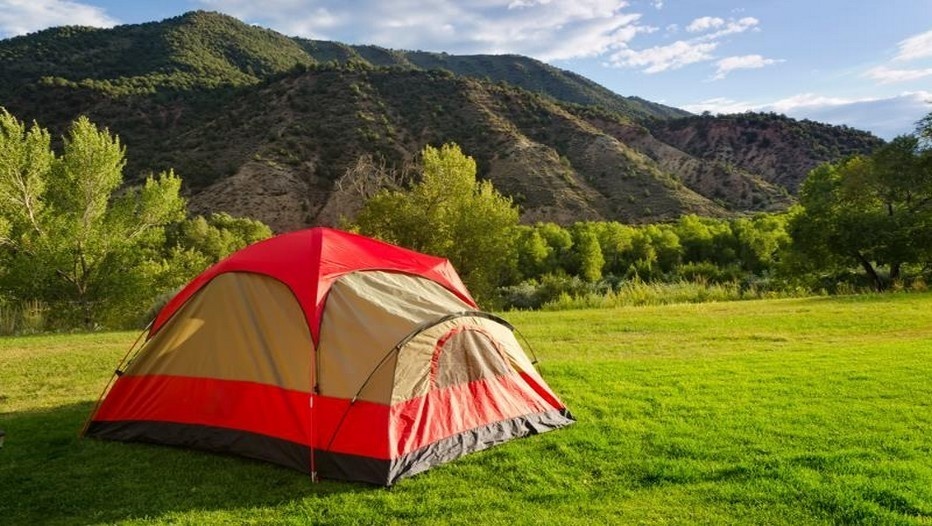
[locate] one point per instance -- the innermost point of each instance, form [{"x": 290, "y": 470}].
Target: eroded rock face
[{"x": 276, "y": 196}]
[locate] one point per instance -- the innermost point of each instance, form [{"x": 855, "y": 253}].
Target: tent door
[{"x": 466, "y": 354}]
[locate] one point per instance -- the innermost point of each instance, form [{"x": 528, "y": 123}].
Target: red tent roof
[{"x": 309, "y": 261}]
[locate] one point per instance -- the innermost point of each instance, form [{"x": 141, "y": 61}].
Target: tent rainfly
[{"x": 333, "y": 354}]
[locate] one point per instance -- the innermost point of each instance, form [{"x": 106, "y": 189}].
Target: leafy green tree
[
  {"x": 533, "y": 252},
  {"x": 697, "y": 237},
  {"x": 587, "y": 252},
  {"x": 641, "y": 259},
  {"x": 26, "y": 158},
  {"x": 560, "y": 240},
  {"x": 874, "y": 212},
  {"x": 451, "y": 214},
  {"x": 706, "y": 240},
  {"x": 615, "y": 240},
  {"x": 924, "y": 131},
  {"x": 666, "y": 245},
  {"x": 69, "y": 238},
  {"x": 761, "y": 240},
  {"x": 217, "y": 236}
]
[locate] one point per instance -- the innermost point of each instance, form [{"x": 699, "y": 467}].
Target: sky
[{"x": 861, "y": 63}]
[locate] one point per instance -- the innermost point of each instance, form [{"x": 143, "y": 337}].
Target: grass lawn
[{"x": 802, "y": 411}]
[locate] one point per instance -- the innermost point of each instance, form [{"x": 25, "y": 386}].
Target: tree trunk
[
  {"x": 894, "y": 272},
  {"x": 81, "y": 280},
  {"x": 85, "y": 305},
  {"x": 878, "y": 282}
]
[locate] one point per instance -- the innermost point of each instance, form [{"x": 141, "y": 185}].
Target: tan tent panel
[
  {"x": 367, "y": 314},
  {"x": 222, "y": 332}
]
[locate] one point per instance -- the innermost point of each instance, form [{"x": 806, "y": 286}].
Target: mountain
[
  {"x": 265, "y": 125},
  {"x": 779, "y": 149},
  {"x": 195, "y": 51},
  {"x": 208, "y": 50},
  {"x": 523, "y": 72}
]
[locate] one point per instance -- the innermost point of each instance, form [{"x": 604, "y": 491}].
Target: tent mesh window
[{"x": 462, "y": 356}]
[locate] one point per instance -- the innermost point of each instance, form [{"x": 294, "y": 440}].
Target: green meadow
[{"x": 793, "y": 411}]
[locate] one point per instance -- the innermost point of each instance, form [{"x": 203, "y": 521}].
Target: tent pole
[
  {"x": 356, "y": 396},
  {"x": 117, "y": 372},
  {"x": 313, "y": 463},
  {"x": 535, "y": 362}
]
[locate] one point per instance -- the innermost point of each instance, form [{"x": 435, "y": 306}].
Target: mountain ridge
[{"x": 265, "y": 125}]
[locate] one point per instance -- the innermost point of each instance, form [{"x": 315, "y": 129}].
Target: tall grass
[
  {"x": 24, "y": 317},
  {"x": 638, "y": 293}
]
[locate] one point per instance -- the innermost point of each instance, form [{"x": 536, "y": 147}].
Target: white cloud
[
  {"x": 683, "y": 52},
  {"x": 885, "y": 117},
  {"x": 886, "y": 75},
  {"x": 544, "y": 29},
  {"x": 18, "y": 17},
  {"x": 811, "y": 100},
  {"x": 720, "y": 105},
  {"x": 729, "y": 64},
  {"x": 733, "y": 26},
  {"x": 721, "y": 26},
  {"x": 915, "y": 47},
  {"x": 704, "y": 24},
  {"x": 663, "y": 58},
  {"x": 518, "y": 4}
]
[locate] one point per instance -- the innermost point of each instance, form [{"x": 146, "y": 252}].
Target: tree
[
  {"x": 560, "y": 241},
  {"x": 26, "y": 158},
  {"x": 924, "y": 131},
  {"x": 667, "y": 246},
  {"x": 698, "y": 236},
  {"x": 449, "y": 213},
  {"x": 587, "y": 252},
  {"x": 615, "y": 240},
  {"x": 68, "y": 239},
  {"x": 533, "y": 252},
  {"x": 217, "y": 236},
  {"x": 760, "y": 240},
  {"x": 874, "y": 212},
  {"x": 94, "y": 251}
]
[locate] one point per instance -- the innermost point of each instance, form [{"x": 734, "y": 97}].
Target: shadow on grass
[{"x": 49, "y": 475}]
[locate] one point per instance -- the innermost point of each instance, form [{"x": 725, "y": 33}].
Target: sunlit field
[{"x": 793, "y": 411}]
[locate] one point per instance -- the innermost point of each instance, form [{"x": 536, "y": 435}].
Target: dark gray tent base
[{"x": 329, "y": 465}]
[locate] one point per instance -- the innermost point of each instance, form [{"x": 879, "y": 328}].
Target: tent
[{"x": 331, "y": 353}]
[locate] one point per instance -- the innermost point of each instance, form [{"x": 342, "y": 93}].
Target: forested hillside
[{"x": 265, "y": 125}]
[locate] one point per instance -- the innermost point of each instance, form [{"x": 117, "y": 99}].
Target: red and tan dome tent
[{"x": 331, "y": 353}]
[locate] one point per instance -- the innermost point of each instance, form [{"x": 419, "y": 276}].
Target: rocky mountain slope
[
  {"x": 776, "y": 148},
  {"x": 261, "y": 124}
]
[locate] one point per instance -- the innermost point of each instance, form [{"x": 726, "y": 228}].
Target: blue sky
[{"x": 864, "y": 63}]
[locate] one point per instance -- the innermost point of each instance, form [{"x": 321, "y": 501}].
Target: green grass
[{"x": 798, "y": 411}]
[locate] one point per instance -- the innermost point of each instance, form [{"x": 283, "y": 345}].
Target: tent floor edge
[
  {"x": 205, "y": 438},
  {"x": 330, "y": 466},
  {"x": 476, "y": 439}
]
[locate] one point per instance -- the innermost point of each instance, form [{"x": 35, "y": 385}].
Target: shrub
[{"x": 24, "y": 317}]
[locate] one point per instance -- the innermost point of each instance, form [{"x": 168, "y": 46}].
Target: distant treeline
[
  {"x": 80, "y": 250},
  {"x": 602, "y": 257}
]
